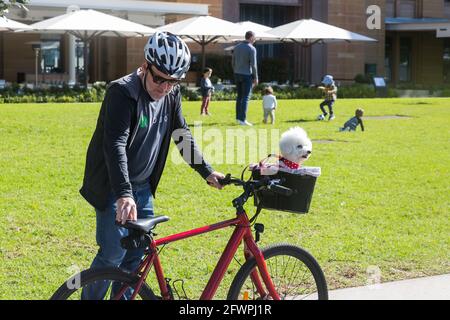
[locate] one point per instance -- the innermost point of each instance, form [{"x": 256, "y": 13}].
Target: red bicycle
[{"x": 280, "y": 271}]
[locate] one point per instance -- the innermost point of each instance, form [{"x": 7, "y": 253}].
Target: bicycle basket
[{"x": 302, "y": 181}]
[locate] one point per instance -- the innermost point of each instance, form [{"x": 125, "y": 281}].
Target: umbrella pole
[
  {"x": 203, "y": 54},
  {"x": 86, "y": 58},
  {"x": 85, "y": 55}
]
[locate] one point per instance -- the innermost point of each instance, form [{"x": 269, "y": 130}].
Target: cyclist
[{"x": 128, "y": 150}]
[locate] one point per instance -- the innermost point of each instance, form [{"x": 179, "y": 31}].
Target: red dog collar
[{"x": 289, "y": 164}]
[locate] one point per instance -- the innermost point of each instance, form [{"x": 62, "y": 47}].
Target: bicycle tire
[
  {"x": 274, "y": 251},
  {"x": 90, "y": 276}
]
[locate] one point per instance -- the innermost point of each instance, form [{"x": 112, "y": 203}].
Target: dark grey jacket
[{"x": 106, "y": 161}]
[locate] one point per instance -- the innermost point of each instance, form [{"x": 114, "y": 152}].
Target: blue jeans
[
  {"x": 244, "y": 88},
  {"x": 110, "y": 253},
  {"x": 328, "y": 103}
]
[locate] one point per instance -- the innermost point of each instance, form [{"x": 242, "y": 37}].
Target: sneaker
[
  {"x": 332, "y": 117},
  {"x": 246, "y": 123}
]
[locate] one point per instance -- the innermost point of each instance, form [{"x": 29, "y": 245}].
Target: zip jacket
[{"x": 116, "y": 136}]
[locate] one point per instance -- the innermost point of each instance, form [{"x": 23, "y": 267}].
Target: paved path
[{"x": 430, "y": 288}]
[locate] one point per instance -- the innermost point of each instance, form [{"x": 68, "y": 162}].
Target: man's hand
[
  {"x": 126, "y": 210},
  {"x": 213, "y": 179},
  {"x": 255, "y": 83}
]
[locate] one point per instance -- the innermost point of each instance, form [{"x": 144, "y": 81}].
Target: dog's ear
[{"x": 286, "y": 149}]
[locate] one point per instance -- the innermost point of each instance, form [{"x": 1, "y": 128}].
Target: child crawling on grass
[{"x": 354, "y": 122}]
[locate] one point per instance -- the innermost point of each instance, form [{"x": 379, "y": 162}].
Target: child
[
  {"x": 207, "y": 89},
  {"x": 330, "y": 91},
  {"x": 269, "y": 105},
  {"x": 353, "y": 123}
]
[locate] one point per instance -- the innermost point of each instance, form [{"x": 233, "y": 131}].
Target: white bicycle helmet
[{"x": 169, "y": 54}]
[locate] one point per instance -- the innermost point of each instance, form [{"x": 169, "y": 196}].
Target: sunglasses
[{"x": 160, "y": 80}]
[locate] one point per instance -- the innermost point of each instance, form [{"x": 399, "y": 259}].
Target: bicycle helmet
[
  {"x": 168, "y": 53},
  {"x": 328, "y": 80}
]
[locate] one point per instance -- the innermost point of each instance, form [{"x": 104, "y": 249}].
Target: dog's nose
[{"x": 308, "y": 152}]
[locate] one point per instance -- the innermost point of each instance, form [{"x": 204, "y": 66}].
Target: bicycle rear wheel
[
  {"x": 294, "y": 272},
  {"x": 112, "y": 281}
]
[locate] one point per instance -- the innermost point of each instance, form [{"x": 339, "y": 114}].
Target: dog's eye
[{"x": 300, "y": 146}]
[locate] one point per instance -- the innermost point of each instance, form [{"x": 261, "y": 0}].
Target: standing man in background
[{"x": 245, "y": 74}]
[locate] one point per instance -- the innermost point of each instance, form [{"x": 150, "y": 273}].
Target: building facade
[{"x": 407, "y": 50}]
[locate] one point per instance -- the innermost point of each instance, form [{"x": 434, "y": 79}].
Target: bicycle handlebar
[
  {"x": 273, "y": 185},
  {"x": 280, "y": 190}
]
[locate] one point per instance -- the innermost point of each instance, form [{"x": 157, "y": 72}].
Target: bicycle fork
[{"x": 252, "y": 250}]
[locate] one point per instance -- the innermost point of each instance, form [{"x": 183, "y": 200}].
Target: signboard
[
  {"x": 443, "y": 32},
  {"x": 379, "y": 82},
  {"x": 380, "y": 86}
]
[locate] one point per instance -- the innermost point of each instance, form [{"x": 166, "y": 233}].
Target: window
[
  {"x": 370, "y": 69},
  {"x": 390, "y": 8},
  {"x": 407, "y": 9},
  {"x": 281, "y": 55},
  {"x": 447, "y": 60},
  {"x": 388, "y": 58},
  {"x": 271, "y": 16},
  {"x": 447, "y": 8},
  {"x": 405, "y": 59},
  {"x": 51, "y": 54}
]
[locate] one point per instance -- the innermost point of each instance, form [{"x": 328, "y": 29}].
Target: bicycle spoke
[{"x": 291, "y": 276}]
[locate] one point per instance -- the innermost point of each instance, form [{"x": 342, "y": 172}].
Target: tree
[{"x": 5, "y": 4}]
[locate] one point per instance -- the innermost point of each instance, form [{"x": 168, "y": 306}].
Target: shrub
[
  {"x": 18, "y": 94},
  {"x": 272, "y": 69},
  {"x": 361, "y": 78}
]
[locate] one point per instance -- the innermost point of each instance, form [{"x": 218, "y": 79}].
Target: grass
[{"x": 382, "y": 200}]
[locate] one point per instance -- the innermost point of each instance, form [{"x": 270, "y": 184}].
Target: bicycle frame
[{"x": 241, "y": 233}]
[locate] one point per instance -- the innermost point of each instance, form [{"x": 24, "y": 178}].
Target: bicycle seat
[{"x": 145, "y": 225}]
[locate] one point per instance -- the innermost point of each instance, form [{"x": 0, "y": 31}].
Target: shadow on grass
[
  {"x": 414, "y": 103},
  {"x": 205, "y": 124},
  {"x": 301, "y": 120},
  {"x": 387, "y": 117},
  {"x": 327, "y": 141}
]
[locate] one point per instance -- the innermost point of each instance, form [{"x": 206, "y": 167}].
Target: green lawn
[{"x": 382, "y": 200}]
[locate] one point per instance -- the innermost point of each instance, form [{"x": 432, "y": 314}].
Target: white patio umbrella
[
  {"x": 11, "y": 25},
  {"x": 88, "y": 24},
  {"x": 309, "y": 31},
  {"x": 260, "y": 30},
  {"x": 256, "y": 27},
  {"x": 205, "y": 30}
]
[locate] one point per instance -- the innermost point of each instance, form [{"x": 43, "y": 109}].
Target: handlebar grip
[
  {"x": 225, "y": 181},
  {"x": 281, "y": 190}
]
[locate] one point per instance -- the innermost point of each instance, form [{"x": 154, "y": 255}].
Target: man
[
  {"x": 128, "y": 150},
  {"x": 245, "y": 74}
]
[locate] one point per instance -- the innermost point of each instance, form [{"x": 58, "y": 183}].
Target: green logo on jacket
[{"x": 143, "y": 121}]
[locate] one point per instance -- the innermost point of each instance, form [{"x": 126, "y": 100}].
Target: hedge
[{"x": 16, "y": 94}]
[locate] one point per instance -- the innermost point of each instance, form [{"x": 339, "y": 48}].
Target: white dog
[{"x": 295, "y": 148}]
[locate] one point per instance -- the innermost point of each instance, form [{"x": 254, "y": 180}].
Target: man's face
[{"x": 158, "y": 84}]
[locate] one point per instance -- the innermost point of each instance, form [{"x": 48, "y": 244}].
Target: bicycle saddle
[{"x": 145, "y": 225}]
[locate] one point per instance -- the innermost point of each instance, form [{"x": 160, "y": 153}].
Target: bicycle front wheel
[
  {"x": 295, "y": 273},
  {"x": 102, "y": 284}
]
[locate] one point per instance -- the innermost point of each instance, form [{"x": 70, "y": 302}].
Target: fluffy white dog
[{"x": 295, "y": 148}]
